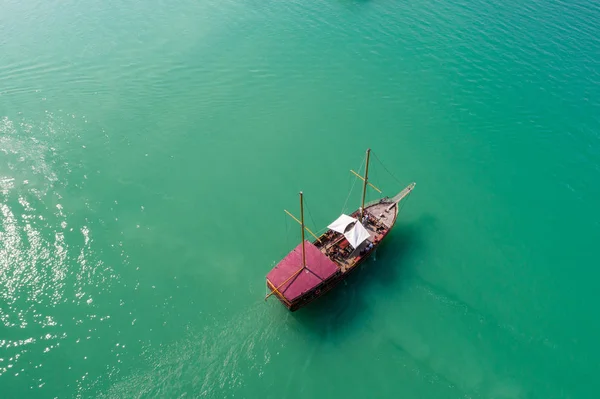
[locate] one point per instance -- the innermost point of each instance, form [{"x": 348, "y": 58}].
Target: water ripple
[{"x": 47, "y": 260}]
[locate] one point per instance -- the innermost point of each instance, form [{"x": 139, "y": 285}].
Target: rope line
[
  {"x": 309, "y": 214},
  {"x": 404, "y": 202},
  {"x": 386, "y": 169},
  {"x": 353, "y": 184}
]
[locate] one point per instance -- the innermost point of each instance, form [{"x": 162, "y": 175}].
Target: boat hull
[{"x": 347, "y": 266}]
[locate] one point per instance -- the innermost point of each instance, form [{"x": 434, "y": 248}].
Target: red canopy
[{"x": 318, "y": 268}]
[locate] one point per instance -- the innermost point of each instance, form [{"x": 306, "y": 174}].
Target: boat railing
[{"x": 377, "y": 201}]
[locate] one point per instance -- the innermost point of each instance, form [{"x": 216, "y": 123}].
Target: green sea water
[{"x": 148, "y": 149}]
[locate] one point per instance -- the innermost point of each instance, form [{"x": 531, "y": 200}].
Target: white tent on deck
[
  {"x": 356, "y": 234},
  {"x": 341, "y": 224}
]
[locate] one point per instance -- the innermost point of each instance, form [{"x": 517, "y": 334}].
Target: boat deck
[
  {"x": 290, "y": 280},
  {"x": 380, "y": 217}
]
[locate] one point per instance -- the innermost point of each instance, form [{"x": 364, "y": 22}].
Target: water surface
[{"x": 147, "y": 150}]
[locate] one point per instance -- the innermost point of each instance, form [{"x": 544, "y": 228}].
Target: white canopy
[
  {"x": 356, "y": 235},
  {"x": 341, "y": 223}
]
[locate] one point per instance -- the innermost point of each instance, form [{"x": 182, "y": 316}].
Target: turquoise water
[{"x": 148, "y": 149}]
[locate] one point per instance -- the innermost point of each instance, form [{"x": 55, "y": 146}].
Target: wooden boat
[{"x": 313, "y": 268}]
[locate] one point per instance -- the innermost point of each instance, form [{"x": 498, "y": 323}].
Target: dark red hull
[
  {"x": 334, "y": 280},
  {"x": 332, "y": 257}
]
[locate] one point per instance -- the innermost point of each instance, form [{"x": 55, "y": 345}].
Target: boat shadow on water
[{"x": 341, "y": 310}]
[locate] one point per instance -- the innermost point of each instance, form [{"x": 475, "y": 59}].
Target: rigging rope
[
  {"x": 386, "y": 169},
  {"x": 353, "y": 184},
  {"x": 309, "y": 214},
  {"x": 404, "y": 202}
]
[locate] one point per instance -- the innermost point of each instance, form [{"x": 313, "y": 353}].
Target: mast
[
  {"x": 365, "y": 182},
  {"x": 302, "y": 227}
]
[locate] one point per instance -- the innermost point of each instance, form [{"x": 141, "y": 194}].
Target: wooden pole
[
  {"x": 276, "y": 289},
  {"x": 302, "y": 223},
  {"x": 363, "y": 179},
  {"x": 365, "y": 182},
  {"x": 307, "y": 229}
]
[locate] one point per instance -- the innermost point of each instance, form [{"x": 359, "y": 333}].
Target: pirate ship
[{"x": 315, "y": 267}]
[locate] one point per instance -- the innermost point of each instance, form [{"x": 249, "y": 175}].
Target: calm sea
[{"x": 148, "y": 149}]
